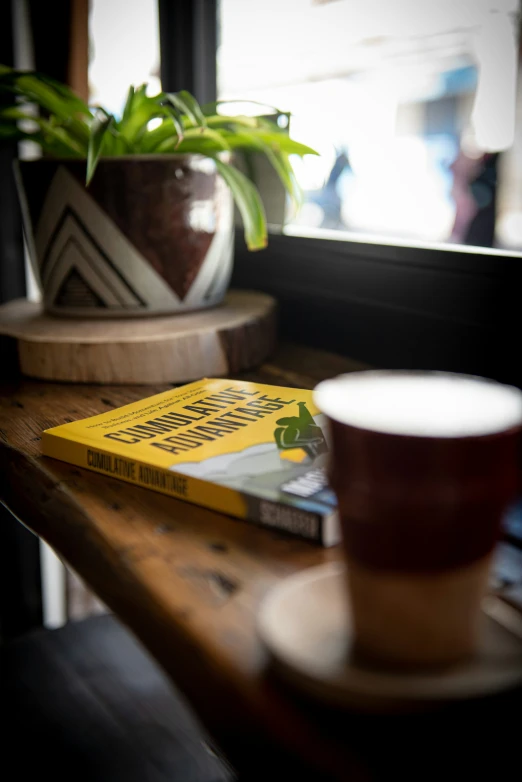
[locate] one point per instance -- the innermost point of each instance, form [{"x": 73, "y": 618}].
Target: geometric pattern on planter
[
  {"x": 75, "y": 266},
  {"x": 77, "y": 241},
  {"x": 75, "y": 292}
]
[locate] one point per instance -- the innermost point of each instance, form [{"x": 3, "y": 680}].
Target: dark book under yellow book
[{"x": 257, "y": 452}]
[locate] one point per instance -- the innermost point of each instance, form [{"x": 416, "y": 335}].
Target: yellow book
[{"x": 254, "y": 451}]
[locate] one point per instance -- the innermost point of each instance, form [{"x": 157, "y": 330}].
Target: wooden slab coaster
[{"x": 237, "y": 335}]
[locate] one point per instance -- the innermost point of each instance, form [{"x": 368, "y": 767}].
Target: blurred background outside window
[
  {"x": 411, "y": 104},
  {"x": 124, "y": 50},
  {"x": 414, "y": 106}
]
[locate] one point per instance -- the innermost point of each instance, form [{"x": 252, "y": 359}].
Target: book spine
[
  {"x": 302, "y": 523},
  {"x": 265, "y": 513}
]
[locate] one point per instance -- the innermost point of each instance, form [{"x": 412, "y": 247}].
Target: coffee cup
[{"x": 424, "y": 465}]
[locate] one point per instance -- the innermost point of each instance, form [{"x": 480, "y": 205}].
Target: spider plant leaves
[
  {"x": 14, "y": 113},
  {"x": 249, "y": 142},
  {"x": 239, "y": 133},
  {"x": 59, "y": 134},
  {"x": 51, "y": 134},
  {"x": 136, "y": 117},
  {"x": 187, "y": 105},
  {"x": 57, "y": 141},
  {"x": 198, "y": 140},
  {"x": 47, "y": 98},
  {"x": 74, "y": 102},
  {"x": 225, "y": 121},
  {"x": 209, "y": 135},
  {"x": 175, "y": 118},
  {"x": 127, "y": 109},
  {"x": 193, "y": 105},
  {"x": 166, "y": 137},
  {"x": 50, "y": 94},
  {"x": 100, "y": 127},
  {"x": 197, "y": 145},
  {"x": 281, "y": 140},
  {"x": 249, "y": 204},
  {"x": 285, "y": 172}
]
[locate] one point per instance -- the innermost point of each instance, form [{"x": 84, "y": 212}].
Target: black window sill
[{"x": 392, "y": 305}]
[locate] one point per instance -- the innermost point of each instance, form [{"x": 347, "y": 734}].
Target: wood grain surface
[
  {"x": 235, "y": 336},
  {"x": 189, "y": 581}
]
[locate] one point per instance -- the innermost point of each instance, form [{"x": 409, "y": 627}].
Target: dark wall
[{"x": 12, "y": 269}]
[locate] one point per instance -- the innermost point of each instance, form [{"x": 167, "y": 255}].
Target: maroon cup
[{"x": 423, "y": 478}]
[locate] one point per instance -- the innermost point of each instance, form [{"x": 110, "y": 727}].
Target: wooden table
[{"x": 188, "y": 582}]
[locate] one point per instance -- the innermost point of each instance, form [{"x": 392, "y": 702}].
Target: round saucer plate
[{"x": 304, "y": 623}]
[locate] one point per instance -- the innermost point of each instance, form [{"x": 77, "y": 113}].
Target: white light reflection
[{"x": 493, "y": 115}]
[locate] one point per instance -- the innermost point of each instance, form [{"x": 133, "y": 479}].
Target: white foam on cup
[{"x": 423, "y": 404}]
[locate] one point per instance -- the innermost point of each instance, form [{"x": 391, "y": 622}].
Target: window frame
[
  {"x": 188, "y": 45},
  {"x": 393, "y": 305}
]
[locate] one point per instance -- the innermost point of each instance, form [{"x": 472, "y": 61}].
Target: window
[
  {"x": 124, "y": 44},
  {"x": 412, "y": 106}
]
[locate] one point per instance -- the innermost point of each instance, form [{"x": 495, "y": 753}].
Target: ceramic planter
[{"x": 150, "y": 235}]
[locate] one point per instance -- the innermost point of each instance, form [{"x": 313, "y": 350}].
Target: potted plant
[{"x": 133, "y": 215}]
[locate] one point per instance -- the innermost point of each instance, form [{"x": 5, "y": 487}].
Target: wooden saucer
[
  {"x": 237, "y": 335},
  {"x": 304, "y": 623}
]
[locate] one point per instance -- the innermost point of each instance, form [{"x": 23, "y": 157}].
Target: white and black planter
[{"x": 150, "y": 235}]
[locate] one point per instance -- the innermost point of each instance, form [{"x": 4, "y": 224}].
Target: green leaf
[
  {"x": 99, "y": 128},
  {"x": 176, "y": 121},
  {"x": 223, "y": 120},
  {"x": 208, "y": 133},
  {"x": 282, "y": 141},
  {"x": 24, "y": 82},
  {"x": 249, "y": 204},
  {"x": 196, "y": 146},
  {"x": 284, "y": 170},
  {"x": 61, "y": 135},
  {"x": 186, "y": 104},
  {"x": 58, "y": 101},
  {"x": 202, "y": 141},
  {"x": 194, "y": 106},
  {"x": 96, "y": 108},
  {"x": 250, "y": 142},
  {"x": 166, "y": 132},
  {"x": 50, "y": 132},
  {"x": 127, "y": 109},
  {"x": 133, "y": 124},
  {"x": 239, "y": 138},
  {"x": 141, "y": 92},
  {"x": 115, "y": 143},
  {"x": 14, "y": 113},
  {"x": 75, "y": 103},
  {"x": 294, "y": 188},
  {"x": 34, "y": 89}
]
